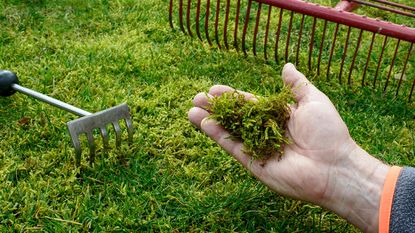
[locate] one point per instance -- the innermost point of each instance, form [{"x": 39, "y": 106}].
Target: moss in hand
[{"x": 260, "y": 124}]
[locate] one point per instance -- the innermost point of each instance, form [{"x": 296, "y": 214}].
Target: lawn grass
[{"x": 97, "y": 54}]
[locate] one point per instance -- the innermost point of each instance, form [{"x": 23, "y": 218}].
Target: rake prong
[
  {"x": 300, "y": 33},
  {"x": 287, "y": 44},
  {"x": 368, "y": 58},
  {"x": 92, "y": 147},
  {"x": 117, "y": 134},
  {"x": 391, "y": 66},
  {"x": 277, "y": 36},
  {"x": 404, "y": 68},
  {"x": 248, "y": 13},
  {"x": 207, "y": 22},
  {"x": 346, "y": 46},
  {"x": 321, "y": 47},
  {"x": 349, "y": 81},
  {"x": 225, "y": 29},
  {"x": 333, "y": 45},
  {"x": 217, "y": 23},
  {"x": 198, "y": 20},
  {"x": 189, "y": 5},
  {"x": 130, "y": 130},
  {"x": 78, "y": 151},
  {"x": 380, "y": 60},
  {"x": 310, "y": 53},
  {"x": 181, "y": 16},
  {"x": 258, "y": 16},
  {"x": 267, "y": 32},
  {"x": 104, "y": 135},
  {"x": 235, "y": 33},
  {"x": 171, "y": 14}
]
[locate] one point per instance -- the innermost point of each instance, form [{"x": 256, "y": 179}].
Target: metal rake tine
[
  {"x": 300, "y": 33},
  {"x": 207, "y": 22},
  {"x": 189, "y": 4},
  {"x": 117, "y": 134},
  {"x": 368, "y": 58},
  {"x": 181, "y": 16},
  {"x": 267, "y": 32},
  {"x": 225, "y": 29},
  {"x": 277, "y": 36},
  {"x": 346, "y": 46},
  {"x": 385, "y": 41},
  {"x": 217, "y": 23},
  {"x": 92, "y": 147},
  {"x": 354, "y": 57},
  {"x": 130, "y": 130},
  {"x": 333, "y": 45},
  {"x": 235, "y": 33},
  {"x": 78, "y": 151},
  {"x": 391, "y": 66},
  {"x": 310, "y": 53},
  {"x": 287, "y": 44},
  {"x": 104, "y": 135},
  {"x": 248, "y": 13},
  {"x": 321, "y": 46},
  {"x": 198, "y": 20},
  {"x": 171, "y": 14},
  {"x": 404, "y": 68},
  {"x": 258, "y": 16}
]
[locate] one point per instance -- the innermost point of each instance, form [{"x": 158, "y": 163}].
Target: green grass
[{"x": 97, "y": 54}]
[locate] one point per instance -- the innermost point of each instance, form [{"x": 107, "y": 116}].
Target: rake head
[
  {"x": 369, "y": 51},
  {"x": 87, "y": 124}
]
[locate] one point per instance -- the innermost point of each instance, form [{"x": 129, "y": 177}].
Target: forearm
[{"x": 357, "y": 189}]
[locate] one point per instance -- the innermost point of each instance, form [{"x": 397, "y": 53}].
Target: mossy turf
[{"x": 97, "y": 54}]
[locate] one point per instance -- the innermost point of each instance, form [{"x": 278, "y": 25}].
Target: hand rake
[
  {"x": 310, "y": 35},
  {"x": 84, "y": 125}
]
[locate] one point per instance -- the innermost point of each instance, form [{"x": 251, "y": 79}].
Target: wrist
[{"x": 356, "y": 189}]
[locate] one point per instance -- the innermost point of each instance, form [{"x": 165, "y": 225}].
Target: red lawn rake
[
  {"x": 284, "y": 28},
  {"x": 88, "y": 122}
]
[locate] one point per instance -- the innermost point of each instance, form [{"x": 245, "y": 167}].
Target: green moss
[{"x": 260, "y": 124}]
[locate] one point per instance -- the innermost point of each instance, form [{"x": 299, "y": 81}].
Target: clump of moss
[{"x": 260, "y": 124}]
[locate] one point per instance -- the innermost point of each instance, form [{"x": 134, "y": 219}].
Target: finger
[
  {"x": 302, "y": 88},
  {"x": 235, "y": 148},
  {"x": 196, "y": 115},
  {"x": 218, "y": 90},
  {"x": 201, "y": 100}
]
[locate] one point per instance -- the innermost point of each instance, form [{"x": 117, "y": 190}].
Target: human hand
[{"x": 322, "y": 164}]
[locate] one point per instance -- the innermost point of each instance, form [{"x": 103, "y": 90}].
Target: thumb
[{"x": 302, "y": 88}]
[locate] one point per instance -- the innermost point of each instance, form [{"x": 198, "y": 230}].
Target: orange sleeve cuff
[{"x": 386, "y": 199}]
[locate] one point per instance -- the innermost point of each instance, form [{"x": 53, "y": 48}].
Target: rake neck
[{"x": 51, "y": 101}]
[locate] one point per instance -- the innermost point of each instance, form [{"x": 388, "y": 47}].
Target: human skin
[{"x": 322, "y": 164}]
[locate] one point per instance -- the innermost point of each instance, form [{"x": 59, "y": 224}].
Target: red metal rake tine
[
  {"x": 287, "y": 44},
  {"x": 235, "y": 33},
  {"x": 356, "y": 51},
  {"x": 189, "y": 4},
  {"x": 225, "y": 30},
  {"x": 181, "y": 16},
  {"x": 404, "y": 69},
  {"x": 385, "y": 41},
  {"x": 258, "y": 16},
  {"x": 277, "y": 36},
  {"x": 217, "y": 23},
  {"x": 267, "y": 33},
  {"x": 321, "y": 46},
  {"x": 368, "y": 58},
  {"x": 346, "y": 45},
  {"x": 300, "y": 33},
  {"x": 333, "y": 45},
  {"x": 248, "y": 12},
  {"x": 198, "y": 20},
  {"x": 171, "y": 14},
  {"x": 207, "y": 22},
  {"x": 391, "y": 66},
  {"x": 310, "y": 53}
]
